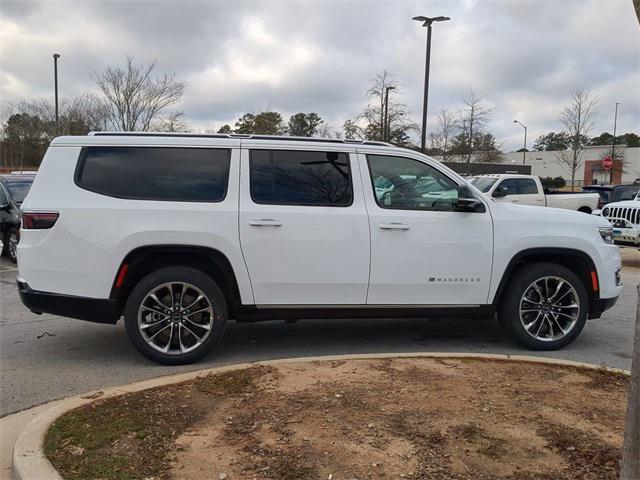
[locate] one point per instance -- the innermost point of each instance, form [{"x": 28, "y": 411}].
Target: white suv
[{"x": 180, "y": 232}]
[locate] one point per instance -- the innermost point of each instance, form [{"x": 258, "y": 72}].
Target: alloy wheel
[
  {"x": 175, "y": 318},
  {"x": 549, "y": 309},
  {"x": 13, "y": 245}
]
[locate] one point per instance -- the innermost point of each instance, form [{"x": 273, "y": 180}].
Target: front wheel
[
  {"x": 175, "y": 315},
  {"x": 545, "y": 306}
]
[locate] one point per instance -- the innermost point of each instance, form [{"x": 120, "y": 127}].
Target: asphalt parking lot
[{"x": 46, "y": 357}]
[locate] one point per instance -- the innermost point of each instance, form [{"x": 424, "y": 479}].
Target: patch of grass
[
  {"x": 233, "y": 382},
  {"x": 132, "y": 436},
  {"x": 589, "y": 457},
  {"x": 122, "y": 438},
  {"x": 603, "y": 379}
]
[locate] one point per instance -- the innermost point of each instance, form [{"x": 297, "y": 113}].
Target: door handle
[
  {"x": 266, "y": 222},
  {"x": 394, "y": 226},
  {"x": 515, "y": 201}
]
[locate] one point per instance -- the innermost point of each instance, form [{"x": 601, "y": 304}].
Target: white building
[{"x": 590, "y": 170}]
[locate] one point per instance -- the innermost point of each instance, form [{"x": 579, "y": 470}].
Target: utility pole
[
  {"x": 385, "y": 128},
  {"x": 613, "y": 144},
  {"x": 524, "y": 149},
  {"x": 427, "y": 23},
  {"x": 56, "y": 56}
]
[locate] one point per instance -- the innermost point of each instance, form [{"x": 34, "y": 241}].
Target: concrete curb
[{"x": 30, "y": 462}]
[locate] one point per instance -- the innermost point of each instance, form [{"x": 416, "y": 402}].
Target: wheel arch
[
  {"x": 143, "y": 260},
  {"x": 577, "y": 261}
]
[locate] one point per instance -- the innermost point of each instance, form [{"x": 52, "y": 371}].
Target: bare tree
[
  {"x": 132, "y": 98},
  {"x": 577, "y": 121},
  {"x": 475, "y": 116},
  {"x": 351, "y": 130},
  {"x": 447, "y": 129},
  {"x": 397, "y": 125},
  {"x": 173, "y": 122}
]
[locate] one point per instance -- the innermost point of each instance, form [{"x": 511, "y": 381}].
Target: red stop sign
[{"x": 607, "y": 163}]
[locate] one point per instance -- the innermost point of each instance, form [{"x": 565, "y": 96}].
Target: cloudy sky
[{"x": 523, "y": 56}]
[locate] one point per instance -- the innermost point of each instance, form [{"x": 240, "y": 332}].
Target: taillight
[{"x": 39, "y": 220}]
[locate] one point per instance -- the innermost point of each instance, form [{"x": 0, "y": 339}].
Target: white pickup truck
[{"x": 527, "y": 190}]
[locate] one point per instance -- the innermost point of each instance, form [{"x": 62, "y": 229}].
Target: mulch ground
[{"x": 405, "y": 418}]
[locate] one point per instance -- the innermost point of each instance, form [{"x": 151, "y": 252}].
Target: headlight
[
  {"x": 605, "y": 212},
  {"x": 606, "y": 233}
]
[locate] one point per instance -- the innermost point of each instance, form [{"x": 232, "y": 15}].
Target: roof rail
[{"x": 239, "y": 135}]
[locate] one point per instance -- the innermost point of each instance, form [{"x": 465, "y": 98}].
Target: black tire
[
  {"x": 12, "y": 236},
  {"x": 584, "y": 210},
  {"x": 196, "y": 278},
  {"x": 519, "y": 283}
]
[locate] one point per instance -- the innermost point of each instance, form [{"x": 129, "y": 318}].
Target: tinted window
[
  {"x": 407, "y": 184},
  {"x": 3, "y": 197},
  {"x": 624, "y": 193},
  {"x": 519, "y": 186},
  {"x": 526, "y": 186},
  {"x": 151, "y": 173},
  {"x": 18, "y": 190},
  {"x": 286, "y": 177},
  {"x": 604, "y": 194}
]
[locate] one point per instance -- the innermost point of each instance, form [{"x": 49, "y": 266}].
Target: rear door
[{"x": 303, "y": 226}]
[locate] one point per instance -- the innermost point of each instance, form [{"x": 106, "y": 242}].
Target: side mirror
[
  {"x": 500, "y": 192},
  {"x": 467, "y": 202}
]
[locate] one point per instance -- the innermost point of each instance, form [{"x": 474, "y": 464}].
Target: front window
[
  {"x": 407, "y": 184},
  {"x": 483, "y": 184}
]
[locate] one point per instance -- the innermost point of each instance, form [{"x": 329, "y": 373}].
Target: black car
[
  {"x": 13, "y": 190},
  {"x": 613, "y": 193}
]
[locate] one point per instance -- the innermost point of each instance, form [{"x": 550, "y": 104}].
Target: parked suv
[
  {"x": 179, "y": 233},
  {"x": 13, "y": 190},
  {"x": 613, "y": 193}
]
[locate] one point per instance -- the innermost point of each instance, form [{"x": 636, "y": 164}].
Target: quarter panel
[{"x": 80, "y": 255}]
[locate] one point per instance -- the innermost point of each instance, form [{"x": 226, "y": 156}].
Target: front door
[
  {"x": 523, "y": 191},
  {"x": 423, "y": 252},
  {"x": 303, "y": 227}
]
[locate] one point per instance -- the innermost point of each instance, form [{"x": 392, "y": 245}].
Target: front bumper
[
  {"x": 598, "y": 305},
  {"x": 90, "y": 309},
  {"x": 626, "y": 236}
]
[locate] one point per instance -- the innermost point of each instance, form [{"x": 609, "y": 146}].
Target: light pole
[
  {"x": 427, "y": 23},
  {"x": 613, "y": 143},
  {"x": 56, "y": 56},
  {"x": 385, "y": 128},
  {"x": 524, "y": 150}
]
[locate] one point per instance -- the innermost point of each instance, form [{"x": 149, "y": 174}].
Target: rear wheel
[
  {"x": 11, "y": 244},
  {"x": 545, "y": 307},
  {"x": 175, "y": 315}
]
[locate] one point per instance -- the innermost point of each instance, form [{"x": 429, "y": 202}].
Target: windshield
[
  {"x": 483, "y": 184},
  {"x": 18, "y": 190}
]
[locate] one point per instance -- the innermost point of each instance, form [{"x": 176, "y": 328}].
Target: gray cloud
[{"x": 523, "y": 57}]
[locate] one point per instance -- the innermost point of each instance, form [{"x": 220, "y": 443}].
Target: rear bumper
[
  {"x": 599, "y": 305},
  {"x": 91, "y": 309}
]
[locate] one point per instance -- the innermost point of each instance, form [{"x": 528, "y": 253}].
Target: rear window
[
  {"x": 288, "y": 177},
  {"x": 18, "y": 190},
  {"x": 152, "y": 173}
]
